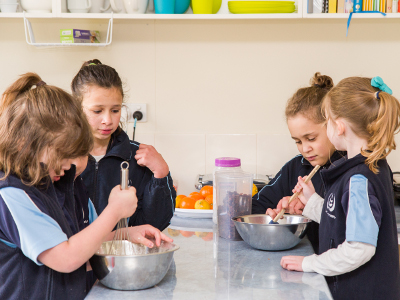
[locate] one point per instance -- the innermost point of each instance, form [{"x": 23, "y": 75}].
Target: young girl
[
  {"x": 99, "y": 88},
  {"x": 307, "y": 128},
  {"x": 42, "y": 254},
  {"x": 358, "y": 233}
]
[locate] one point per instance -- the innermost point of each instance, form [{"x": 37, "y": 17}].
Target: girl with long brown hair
[{"x": 99, "y": 88}]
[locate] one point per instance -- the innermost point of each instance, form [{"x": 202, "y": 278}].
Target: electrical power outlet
[{"x": 129, "y": 108}]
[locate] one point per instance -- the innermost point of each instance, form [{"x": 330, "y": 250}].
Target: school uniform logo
[
  {"x": 330, "y": 206},
  {"x": 331, "y": 202}
]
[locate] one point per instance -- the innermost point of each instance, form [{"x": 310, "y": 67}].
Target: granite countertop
[{"x": 209, "y": 267}]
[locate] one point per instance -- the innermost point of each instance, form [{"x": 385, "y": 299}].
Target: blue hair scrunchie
[{"x": 378, "y": 83}]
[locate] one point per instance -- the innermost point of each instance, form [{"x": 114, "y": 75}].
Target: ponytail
[
  {"x": 382, "y": 130},
  {"x": 34, "y": 121},
  {"x": 23, "y": 84}
]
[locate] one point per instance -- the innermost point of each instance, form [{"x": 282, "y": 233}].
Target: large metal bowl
[
  {"x": 144, "y": 269},
  {"x": 256, "y": 231}
]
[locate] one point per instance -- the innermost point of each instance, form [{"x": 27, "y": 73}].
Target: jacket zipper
[
  {"x": 335, "y": 278},
  {"x": 96, "y": 164},
  {"x": 49, "y": 293}
]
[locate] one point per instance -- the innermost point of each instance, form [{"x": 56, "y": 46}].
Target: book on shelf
[
  {"x": 357, "y": 6},
  {"x": 348, "y": 6},
  {"x": 389, "y": 6},
  {"x": 332, "y": 6},
  {"x": 340, "y": 6},
  {"x": 325, "y": 6},
  {"x": 317, "y": 6}
]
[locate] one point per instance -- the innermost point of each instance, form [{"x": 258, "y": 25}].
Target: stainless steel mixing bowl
[
  {"x": 256, "y": 231},
  {"x": 145, "y": 268}
]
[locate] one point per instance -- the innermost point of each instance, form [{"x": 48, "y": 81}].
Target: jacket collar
[
  {"x": 334, "y": 157},
  {"x": 119, "y": 146},
  {"x": 341, "y": 166}
]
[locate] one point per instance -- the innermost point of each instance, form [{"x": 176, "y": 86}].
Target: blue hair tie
[{"x": 378, "y": 83}]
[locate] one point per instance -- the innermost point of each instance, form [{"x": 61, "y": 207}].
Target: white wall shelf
[
  {"x": 59, "y": 11},
  {"x": 183, "y": 16}
]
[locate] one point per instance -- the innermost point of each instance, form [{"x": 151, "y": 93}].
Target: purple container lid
[{"x": 227, "y": 162}]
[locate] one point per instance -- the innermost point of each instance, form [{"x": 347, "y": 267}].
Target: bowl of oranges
[{"x": 196, "y": 204}]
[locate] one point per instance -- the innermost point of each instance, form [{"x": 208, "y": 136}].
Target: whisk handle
[{"x": 124, "y": 175}]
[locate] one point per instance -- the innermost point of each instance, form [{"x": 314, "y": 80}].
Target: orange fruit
[
  {"x": 187, "y": 233},
  {"x": 206, "y": 190},
  {"x": 209, "y": 199},
  {"x": 211, "y": 206},
  {"x": 202, "y": 204},
  {"x": 200, "y": 234},
  {"x": 178, "y": 200},
  {"x": 208, "y": 237},
  {"x": 188, "y": 203},
  {"x": 173, "y": 232},
  {"x": 196, "y": 196},
  {"x": 254, "y": 190}
]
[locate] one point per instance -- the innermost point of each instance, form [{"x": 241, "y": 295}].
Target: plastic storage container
[
  {"x": 233, "y": 195},
  {"x": 226, "y": 164}
]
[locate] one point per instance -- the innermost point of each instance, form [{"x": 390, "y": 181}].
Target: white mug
[
  {"x": 97, "y": 6},
  {"x": 117, "y": 6},
  {"x": 136, "y": 6},
  {"x": 79, "y": 6}
]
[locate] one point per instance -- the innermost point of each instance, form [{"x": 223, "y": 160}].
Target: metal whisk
[{"x": 121, "y": 243}]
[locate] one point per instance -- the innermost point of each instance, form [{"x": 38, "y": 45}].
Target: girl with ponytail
[{"x": 358, "y": 250}]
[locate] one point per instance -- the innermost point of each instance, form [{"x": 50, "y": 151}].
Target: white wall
[{"x": 213, "y": 88}]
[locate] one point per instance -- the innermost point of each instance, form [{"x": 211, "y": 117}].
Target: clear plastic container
[
  {"x": 226, "y": 164},
  {"x": 233, "y": 196}
]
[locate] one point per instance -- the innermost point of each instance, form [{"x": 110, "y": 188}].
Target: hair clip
[
  {"x": 92, "y": 64},
  {"x": 40, "y": 83},
  {"x": 378, "y": 83}
]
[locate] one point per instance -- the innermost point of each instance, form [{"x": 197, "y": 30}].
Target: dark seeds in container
[{"x": 234, "y": 205}]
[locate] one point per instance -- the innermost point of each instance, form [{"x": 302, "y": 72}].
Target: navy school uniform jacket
[
  {"x": 20, "y": 276},
  {"x": 379, "y": 278},
  {"x": 284, "y": 182},
  {"x": 156, "y": 196}
]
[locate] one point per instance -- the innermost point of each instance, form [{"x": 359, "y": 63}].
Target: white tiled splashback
[{"x": 191, "y": 154}]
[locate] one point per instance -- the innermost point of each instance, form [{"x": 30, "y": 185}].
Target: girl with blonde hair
[{"x": 358, "y": 243}]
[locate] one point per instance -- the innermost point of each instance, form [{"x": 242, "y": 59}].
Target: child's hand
[
  {"x": 305, "y": 190},
  {"x": 125, "y": 201},
  {"x": 295, "y": 207},
  {"x": 138, "y": 235},
  {"x": 147, "y": 156},
  {"x": 292, "y": 263},
  {"x": 282, "y": 203}
]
